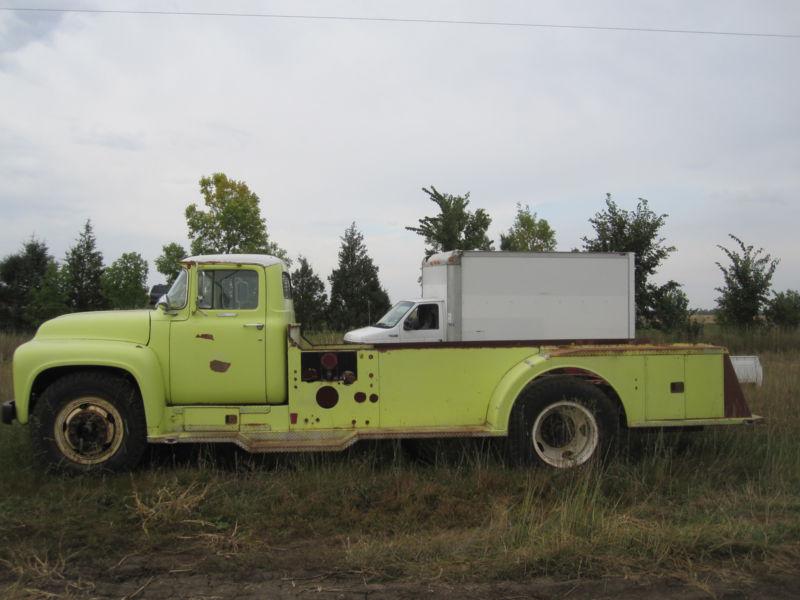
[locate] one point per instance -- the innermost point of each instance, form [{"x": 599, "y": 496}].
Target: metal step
[{"x": 330, "y": 440}]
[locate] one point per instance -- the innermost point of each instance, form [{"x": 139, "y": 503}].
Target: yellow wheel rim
[{"x": 88, "y": 430}]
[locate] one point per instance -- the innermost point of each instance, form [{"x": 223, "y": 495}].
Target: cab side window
[
  {"x": 424, "y": 316},
  {"x": 227, "y": 289},
  {"x": 429, "y": 316}
]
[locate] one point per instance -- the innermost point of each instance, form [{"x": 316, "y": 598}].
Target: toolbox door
[{"x": 665, "y": 396}]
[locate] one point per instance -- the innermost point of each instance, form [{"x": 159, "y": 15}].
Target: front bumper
[{"x": 8, "y": 412}]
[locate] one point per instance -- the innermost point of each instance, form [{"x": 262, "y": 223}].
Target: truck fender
[
  {"x": 509, "y": 387},
  {"x": 520, "y": 376},
  {"x": 37, "y": 357}
]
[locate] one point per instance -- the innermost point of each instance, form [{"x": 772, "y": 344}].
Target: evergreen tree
[
  {"x": 454, "y": 228},
  {"x": 83, "y": 271},
  {"x": 21, "y": 274},
  {"x": 232, "y": 224},
  {"x": 357, "y": 298},
  {"x": 169, "y": 263},
  {"x": 309, "y": 297},
  {"x": 49, "y": 300},
  {"x": 528, "y": 234},
  {"x": 125, "y": 282}
]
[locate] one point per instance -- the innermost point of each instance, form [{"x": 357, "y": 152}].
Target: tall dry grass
[
  {"x": 8, "y": 343},
  {"x": 745, "y": 341}
]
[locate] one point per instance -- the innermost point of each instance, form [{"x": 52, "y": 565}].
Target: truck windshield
[
  {"x": 177, "y": 294},
  {"x": 397, "y": 312}
]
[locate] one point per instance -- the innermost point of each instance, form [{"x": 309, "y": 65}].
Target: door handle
[
  {"x": 258, "y": 326},
  {"x": 392, "y": 335}
]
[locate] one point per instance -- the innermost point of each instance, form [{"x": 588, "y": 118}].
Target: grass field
[{"x": 711, "y": 506}]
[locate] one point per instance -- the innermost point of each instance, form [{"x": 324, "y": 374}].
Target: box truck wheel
[
  {"x": 561, "y": 422},
  {"x": 89, "y": 421}
]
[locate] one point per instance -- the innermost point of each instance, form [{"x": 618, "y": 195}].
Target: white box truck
[{"x": 480, "y": 296}]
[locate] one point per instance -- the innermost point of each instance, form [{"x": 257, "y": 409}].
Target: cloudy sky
[{"x": 116, "y": 117}]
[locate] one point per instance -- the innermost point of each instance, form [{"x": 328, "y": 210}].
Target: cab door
[
  {"x": 217, "y": 355},
  {"x": 423, "y": 324}
]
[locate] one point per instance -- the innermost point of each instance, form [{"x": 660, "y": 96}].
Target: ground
[{"x": 178, "y": 578}]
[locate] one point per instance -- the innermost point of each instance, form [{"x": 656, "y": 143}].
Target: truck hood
[
  {"x": 116, "y": 325},
  {"x": 365, "y": 335}
]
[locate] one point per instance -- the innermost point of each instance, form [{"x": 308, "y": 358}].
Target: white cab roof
[{"x": 263, "y": 260}]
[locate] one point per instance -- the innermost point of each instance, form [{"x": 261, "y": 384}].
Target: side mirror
[
  {"x": 407, "y": 325},
  {"x": 163, "y": 303}
]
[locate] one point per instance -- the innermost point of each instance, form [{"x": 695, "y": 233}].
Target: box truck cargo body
[{"x": 477, "y": 296}]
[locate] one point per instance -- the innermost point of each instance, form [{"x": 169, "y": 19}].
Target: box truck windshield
[{"x": 397, "y": 312}]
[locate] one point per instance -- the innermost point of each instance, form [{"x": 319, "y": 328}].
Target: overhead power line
[{"x": 756, "y": 34}]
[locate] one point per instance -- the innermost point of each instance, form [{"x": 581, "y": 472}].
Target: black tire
[
  {"x": 89, "y": 422},
  {"x": 575, "y": 421}
]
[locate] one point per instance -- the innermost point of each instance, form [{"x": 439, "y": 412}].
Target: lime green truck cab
[{"x": 220, "y": 359}]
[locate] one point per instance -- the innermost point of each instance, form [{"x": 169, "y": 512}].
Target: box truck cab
[
  {"x": 410, "y": 321},
  {"x": 470, "y": 296}
]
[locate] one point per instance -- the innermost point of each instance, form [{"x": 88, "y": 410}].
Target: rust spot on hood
[
  {"x": 205, "y": 336},
  {"x": 219, "y": 366}
]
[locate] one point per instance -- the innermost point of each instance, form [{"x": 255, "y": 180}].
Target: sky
[{"x": 115, "y": 117}]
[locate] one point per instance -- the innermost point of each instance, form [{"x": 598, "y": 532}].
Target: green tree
[
  {"x": 125, "y": 282},
  {"x": 232, "y": 224},
  {"x": 82, "y": 272},
  {"x": 454, "y": 228},
  {"x": 6, "y": 313},
  {"x": 309, "y": 297},
  {"x": 747, "y": 284},
  {"x": 49, "y": 300},
  {"x": 169, "y": 263},
  {"x": 783, "y": 309},
  {"x": 670, "y": 308},
  {"x": 620, "y": 230},
  {"x": 21, "y": 274},
  {"x": 528, "y": 233},
  {"x": 357, "y": 297}
]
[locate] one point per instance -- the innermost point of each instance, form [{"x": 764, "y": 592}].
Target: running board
[{"x": 334, "y": 440}]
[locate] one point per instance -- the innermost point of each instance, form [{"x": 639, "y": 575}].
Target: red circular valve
[{"x": 329, "y": 360}]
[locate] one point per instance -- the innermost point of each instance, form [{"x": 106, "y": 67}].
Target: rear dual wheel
[
  {"x": 561, "y": 422},
  {"x": 89, "y": 421}
]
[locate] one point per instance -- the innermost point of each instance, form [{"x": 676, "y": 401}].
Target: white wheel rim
[
  {"x": 88, "y": 430},
  {"x": 565, "y": 434}
]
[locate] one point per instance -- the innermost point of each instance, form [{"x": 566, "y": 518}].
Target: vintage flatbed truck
[{"x": 221, "y": 360}]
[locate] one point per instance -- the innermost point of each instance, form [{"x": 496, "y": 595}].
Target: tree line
[
  {"x": 35, "y": 287},
  {"x": 746, "y": 298}
]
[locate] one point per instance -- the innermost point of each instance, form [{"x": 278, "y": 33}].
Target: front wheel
[
  {"x": 561, "y": 422},
  {"x": 89, "y": 422}
]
